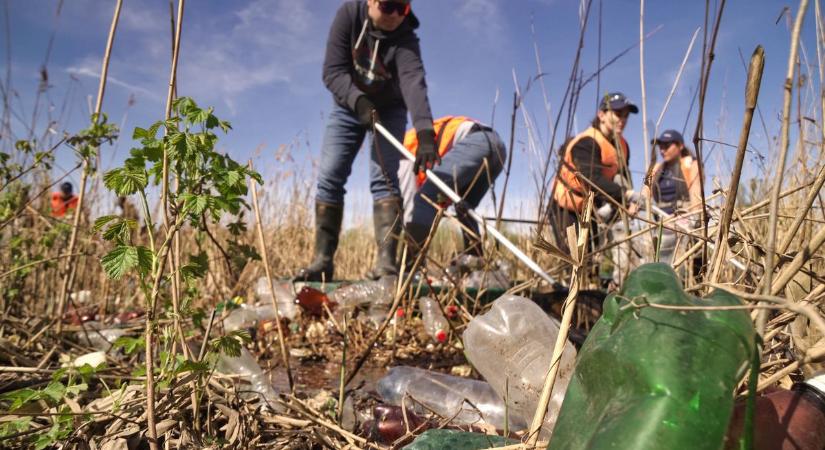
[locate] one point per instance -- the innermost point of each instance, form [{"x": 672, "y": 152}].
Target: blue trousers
[
  {"x": 458, "y": 168},
  {"x": 342, "y": 140}
]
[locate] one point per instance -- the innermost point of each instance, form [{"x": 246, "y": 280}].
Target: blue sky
[{"x": 258, "y": 62}]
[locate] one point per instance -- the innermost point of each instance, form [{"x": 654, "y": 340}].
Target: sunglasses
[{"x": 389, "y": 7}]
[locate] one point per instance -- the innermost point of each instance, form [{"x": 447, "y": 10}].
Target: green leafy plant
[
  {"x": 209, "y": 186},
  {"x": 54, "y": 395}
]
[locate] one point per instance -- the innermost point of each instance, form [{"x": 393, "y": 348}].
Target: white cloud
[
  {"x": 226, "y": 55},
  {"x": 482, "y": 18},
  {"x": 88, "y": 68}
]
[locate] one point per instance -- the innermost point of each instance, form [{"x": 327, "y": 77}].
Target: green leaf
[
  {"x": 129, "y": 344},
  {"x": 233, "y": 177},
  {"x": 77, "y": 388},
  {"x": 140, "y": 133},
  {"x": 145, "y": 258},
  {"x": 20, "y": 397},
  {"x": 55, "y": 390},
  {"x": 15, "y": 426},
  {"x": 119, "y": 261},
  {"x": 125, "y": 180},
  {"x": 195, "y": 204},
  {"x": 120, "y": 231},
  {"x": 231, "y": 344},
  {"x": 197, "y": 267},
  {"x": 101, "y": 222}
]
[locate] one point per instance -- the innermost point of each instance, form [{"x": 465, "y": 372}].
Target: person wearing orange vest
[
  {"x": 595, "y": 160},
  {"x": 675, "y": 180},
  {"x": 63, "y": 201},
  {"x": 464, "y": 145},
  {"x": 674, "y": 186}
]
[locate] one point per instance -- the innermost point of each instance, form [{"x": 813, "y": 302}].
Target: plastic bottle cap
[
  {"x": 399, "y": 313},
  {"x": 441, "y": 336},
  {"x": 817, "y": 382},
  {"x": 451, "y": 311}
]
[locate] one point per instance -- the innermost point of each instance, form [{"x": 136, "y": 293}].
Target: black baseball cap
[
  {"x": 668, "y": 136},
  {"x": 616, "y": 101}
]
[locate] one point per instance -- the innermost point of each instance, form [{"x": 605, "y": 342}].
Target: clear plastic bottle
[
  {"x": 434, "y": 321},
  {"x": 511, "y": 346},
  {"x": 446, "y": 395},
  {"x": 247, "y": 367},
  {"x": 363, "y": 293},
  {"x": 287, "y": 308},
  {"x": 98, "y": 337}
]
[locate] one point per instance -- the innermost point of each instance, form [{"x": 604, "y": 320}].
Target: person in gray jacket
[{"x": 374, "y": 70}]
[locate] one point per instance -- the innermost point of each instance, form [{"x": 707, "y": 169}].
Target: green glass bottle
[{"x": 649, "y": 378}]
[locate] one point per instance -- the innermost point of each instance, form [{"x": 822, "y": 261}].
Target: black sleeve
[
  {"x": 412, "y": 83},
  {"x": 338, "y": 59},
  {"x": 587, "y": 159}
]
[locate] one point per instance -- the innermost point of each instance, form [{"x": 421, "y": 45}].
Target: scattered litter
[
  {"x": 466, "y": 401},
  {"x": 511, "y": 346}
]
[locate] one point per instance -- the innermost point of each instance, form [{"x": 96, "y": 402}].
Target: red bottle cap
[
  {"x": 399, "y": 313},
  {"x": 441, "y": 336}
]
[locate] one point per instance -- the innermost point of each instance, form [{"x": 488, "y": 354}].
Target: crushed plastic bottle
[
  {"x": 98, "y": 337},
  {"x": 434, "y": 321},
  {"x": 651, "y": 378},
  {"x": 364, "y": 293},
  {"x": 511, "y": 346},
  {"x": 247, "y": 368},
  {"x": 493, "y": 277},
  {"x": 287, "y": 308},
  {"x": 445, "y": 394},
  {"x": 246, "y": 316}
]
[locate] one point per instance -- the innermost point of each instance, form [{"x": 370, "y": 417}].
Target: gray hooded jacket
[{"x": 385, "y": 66}]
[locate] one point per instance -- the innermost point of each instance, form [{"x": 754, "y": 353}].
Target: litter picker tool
[{"x": 474, "y": 215}]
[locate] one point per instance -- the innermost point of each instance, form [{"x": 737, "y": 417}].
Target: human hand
[
  {"x": 364, "y": 109},
  {"x": 427, "y": 156}
]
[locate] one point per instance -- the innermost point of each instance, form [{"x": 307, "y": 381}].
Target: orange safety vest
[
  {"x": 569, "y": 191},
  {"x": 61, "y": 206},
  {"x": 690, "y": 174},
  {"x": 445, "y": 129}
]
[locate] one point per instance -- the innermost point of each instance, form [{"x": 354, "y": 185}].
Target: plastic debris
[
  {"x": 445, "y": 395},
  {"x": 650, "y": 378},
  {"x": 247, "y": 368},
  {"x": 94, "y": 359},
  {"x": 287, "y": 307},
  {"x": 434, "y": 321},
  {"x": 511, "y": 346},
  {"x": 98, "y": 337}
]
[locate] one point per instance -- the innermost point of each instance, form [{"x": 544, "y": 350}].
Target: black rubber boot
[
  {"x": 327, "y": 228},
  {"x": 386, "y": 215}
]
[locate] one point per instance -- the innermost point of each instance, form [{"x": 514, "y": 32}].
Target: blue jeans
[
  {"x": 342, "y": 140},
  {"x": 458, "y": 168}
]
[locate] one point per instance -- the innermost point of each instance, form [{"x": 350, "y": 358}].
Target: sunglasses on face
[
  {"x": 389, "y": 7},
  {"x": 664, "y": 145}
]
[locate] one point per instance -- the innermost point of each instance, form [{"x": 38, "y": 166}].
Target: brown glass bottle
[
  {"x": 785, "y": 419},
  {"x": 312, "y": 301}
]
